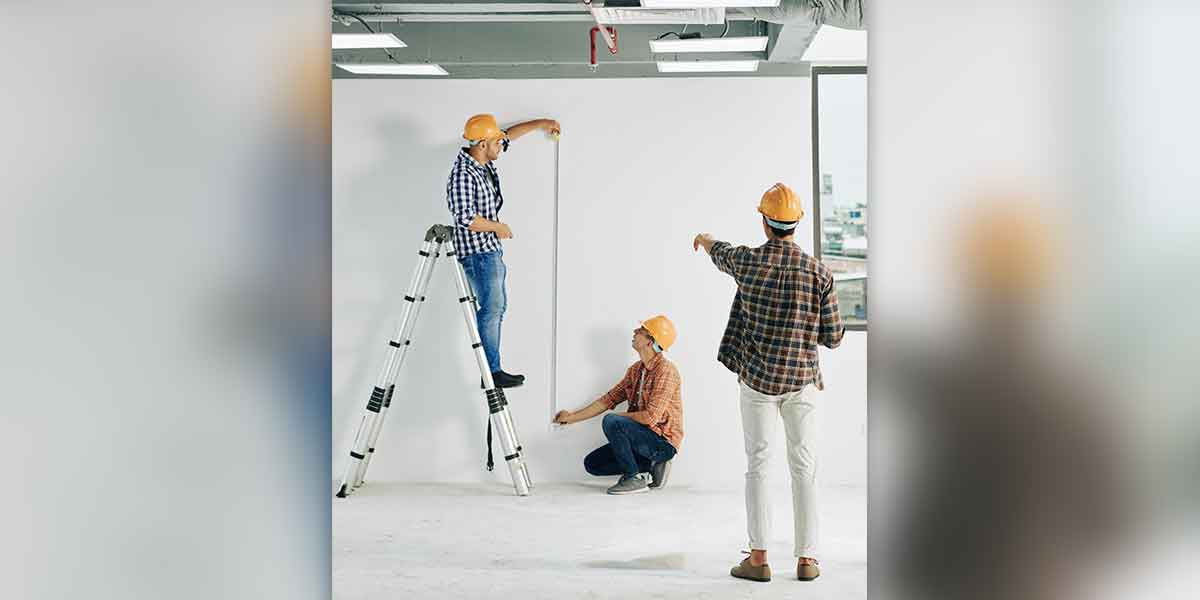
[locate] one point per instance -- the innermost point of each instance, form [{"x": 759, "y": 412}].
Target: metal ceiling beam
[
  {"x": 569, "y": 43},
  {"x": 504, "y": 39},
  {"x": 492, "y": 12},
  {"x": 531, "y": 50},
  {"x": 508, "y": 17},
  {"x": 607, "y": 71},
  {"x": 461, "y": 7}
]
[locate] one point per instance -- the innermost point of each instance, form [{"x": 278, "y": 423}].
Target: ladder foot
[{"x": 342, "y": 492}]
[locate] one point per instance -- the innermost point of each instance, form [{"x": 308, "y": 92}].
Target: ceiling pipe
[
  {"x": 845, "y": 14},
  {"x": 610, "y": 41},
  {"x": 612, "y": 49}
]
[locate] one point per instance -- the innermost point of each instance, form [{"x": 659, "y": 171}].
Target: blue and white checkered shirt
[{"x": 473, "y": 189}]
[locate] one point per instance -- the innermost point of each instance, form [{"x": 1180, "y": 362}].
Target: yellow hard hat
[
  {"x": 661, "y": 329},
  {"x": 482, "y": 127},
  {"x": 780, "y": 203}
]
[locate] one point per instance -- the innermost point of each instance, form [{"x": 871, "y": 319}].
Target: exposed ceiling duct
[
  {"x": 612, "y": 12},
  {"x": 661, "y": 16},
  {"x": 795, "y": 23},
  {"x": 549, "y": 39},
  {"x": 846, "y": 14}
]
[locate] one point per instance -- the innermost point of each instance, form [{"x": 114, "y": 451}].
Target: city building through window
[{"x": 840, "y": 211}]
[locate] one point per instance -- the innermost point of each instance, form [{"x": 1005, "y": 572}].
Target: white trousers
[{"x": 760, "y": 412}]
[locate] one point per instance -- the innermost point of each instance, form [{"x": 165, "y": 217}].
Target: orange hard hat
[
  {"x": 780, "y": 203},
  {"x": 661, "y": 329},
  {"x": 482, "y": 127}
]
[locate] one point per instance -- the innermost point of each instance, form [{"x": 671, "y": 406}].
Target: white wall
[{"x": 645, "y": 164}]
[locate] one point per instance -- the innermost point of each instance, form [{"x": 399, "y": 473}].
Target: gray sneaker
[
  {"x": 659, "y": 473},
  {"x": 629, "y": 485}
]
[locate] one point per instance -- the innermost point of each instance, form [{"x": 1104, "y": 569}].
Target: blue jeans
[
  {"x": 630, "y": 449},
  {"x": 486, "y": 272}
]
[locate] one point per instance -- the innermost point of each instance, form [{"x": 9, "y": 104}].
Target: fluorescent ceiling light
[
  {"x": 708, "y": 66},
  {"x": 354, "y": 41},
  {"x": 393, "y": 69},
  {"x": 733, "y": 44},
  {"x": 708, "y": 3}
]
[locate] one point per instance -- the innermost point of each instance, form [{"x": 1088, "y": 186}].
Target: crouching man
[{"x": 646, "y": 438}]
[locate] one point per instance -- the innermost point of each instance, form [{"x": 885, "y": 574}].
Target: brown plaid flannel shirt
[
  {"x": 785, "y": 305},
  {"x": 659, "y": 405}
]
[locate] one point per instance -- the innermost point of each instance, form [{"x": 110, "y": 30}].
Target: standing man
[
  {"x": 474, "y": 199},
  {"x": 785, "y": 305},
  {"x": 645, "y": 439}
]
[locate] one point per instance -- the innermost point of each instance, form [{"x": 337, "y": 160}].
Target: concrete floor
[{"x": 571, "y": 540}]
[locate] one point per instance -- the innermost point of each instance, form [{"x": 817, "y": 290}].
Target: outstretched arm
[
  {"x": 520, "y": 129},
  {"x": 566, "y": 417},
  {"x": 618, "y": 394},
  {"x": 724, "y": 255}
]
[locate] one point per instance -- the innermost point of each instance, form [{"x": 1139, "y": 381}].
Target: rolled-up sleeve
[{"x": 460, "y": 197}]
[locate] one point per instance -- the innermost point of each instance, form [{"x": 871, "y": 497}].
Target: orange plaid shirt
[{"x": 659, "y": 405}]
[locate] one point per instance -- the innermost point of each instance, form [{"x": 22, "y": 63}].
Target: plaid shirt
[
  {"x": 785, "y": 305},
  {"x": 653, "y": 393},
  {"x": 473, "y": 189}
]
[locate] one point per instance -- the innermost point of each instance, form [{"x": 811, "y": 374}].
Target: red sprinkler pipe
[
  {"x": 612, "y": 46},
  {"x": 610, "y": 42}
]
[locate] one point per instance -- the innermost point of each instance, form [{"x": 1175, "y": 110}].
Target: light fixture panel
[
  {"x": 358, "y": 41},
  {"x": 393, "y": 69},
  {"x": 708, "y": 66},
  {"x": 709, "y": 3},
  {"x": 733, "y": 44}
]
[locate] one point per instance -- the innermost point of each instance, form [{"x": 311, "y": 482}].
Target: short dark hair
[{"x": 780, "y": 233}]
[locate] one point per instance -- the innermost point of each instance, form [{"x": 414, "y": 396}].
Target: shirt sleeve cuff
[{"x": 717, "y": 248}]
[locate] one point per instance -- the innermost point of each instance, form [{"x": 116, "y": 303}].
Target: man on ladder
[{"x": 474, "y": 198}]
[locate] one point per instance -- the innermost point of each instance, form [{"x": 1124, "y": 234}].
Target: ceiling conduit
[{"x": 844, "y": 14}]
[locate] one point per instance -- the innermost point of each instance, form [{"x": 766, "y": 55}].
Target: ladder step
[{"x": 376, "y": 401}]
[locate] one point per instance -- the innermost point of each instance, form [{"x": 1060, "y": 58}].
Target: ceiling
[{"x": 503, "y": 39}]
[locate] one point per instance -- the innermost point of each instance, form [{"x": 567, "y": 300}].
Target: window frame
[{"x": 815, "y": 76}]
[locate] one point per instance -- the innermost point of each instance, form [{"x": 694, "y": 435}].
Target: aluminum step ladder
[{"x": 438, "y": 238}]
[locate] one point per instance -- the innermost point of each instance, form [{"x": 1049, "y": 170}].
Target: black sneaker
[
  {"x": 505, "y": 380},
  {"x": 658, "y": 474}
]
